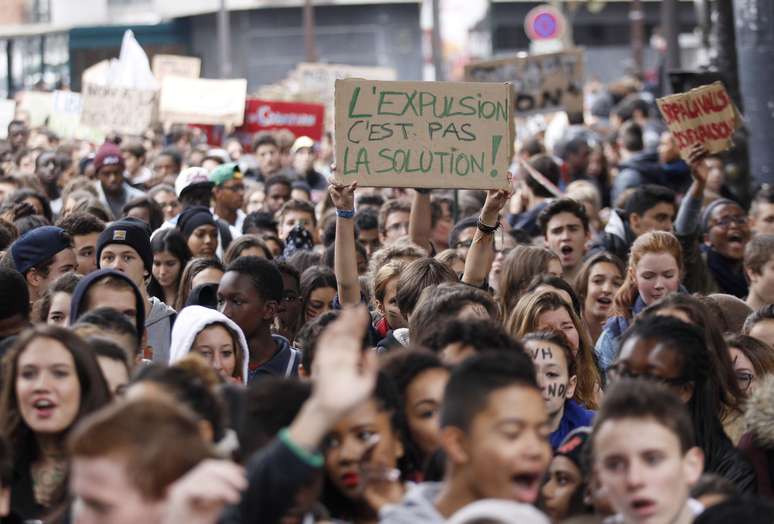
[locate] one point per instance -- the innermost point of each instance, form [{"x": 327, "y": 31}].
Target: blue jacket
[
  {"x": 575, "y": 416},
  {"x": 607, "y": 343}
]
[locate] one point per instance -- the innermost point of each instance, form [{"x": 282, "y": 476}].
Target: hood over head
[
  {"x": 78, "y": 307},
  {"x": 191, "y": 321}
]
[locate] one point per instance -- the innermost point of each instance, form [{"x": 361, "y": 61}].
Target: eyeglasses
[
  {"x": 463, "y": 243},
  {"x": 618, "y": 372},
  {"x": 744, "y": 379},
  {"x": 739, "y": 220},
  {"x": 237, "y": 188}
]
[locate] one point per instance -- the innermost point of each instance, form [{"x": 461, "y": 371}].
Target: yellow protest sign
[
  {"x": 423, "y": 134},
  {"x": 705, "y": 115}
]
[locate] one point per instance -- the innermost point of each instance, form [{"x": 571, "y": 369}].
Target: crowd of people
[{"x": 198, "y": 333}]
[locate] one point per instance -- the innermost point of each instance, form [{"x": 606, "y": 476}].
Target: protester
[
  {"x": 170, "y": 256},
  {"x": 597, "y": 283},
  {"x": 565, "y": 227},
  {"x": 758, "y": 443},
  {"x": 84, "y": 228},
  {"x": 213, "y": 336},
  {"x": 249, "y": 294},
  {"x": 197, "y": 272},
  {"x": 667, "y": 350},
  {"x": 228, "y": 194},
  {"x": 752, "y": 359},
  {"x": 555, "y": 367},
  {"x": 420, "y": 379},
  {"x": 42, "y": 256},
  {"x": 112, "y": 189},
  {"x": 563, "y": 494},
  {"x": 50, "y": 381},
  {"x": 639, "y": 420},
  {"x": 247, "y": 246},
  {"x": 54, "y": 306},
  {"x": 125, "y": 247},
  {"x": 495, "y": 437},
  {"x": 654, "y": 271},
  {"x": 547, "y": 311}
]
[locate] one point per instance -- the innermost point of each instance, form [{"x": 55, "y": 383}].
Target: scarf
[{"x": 727, "y": 273}]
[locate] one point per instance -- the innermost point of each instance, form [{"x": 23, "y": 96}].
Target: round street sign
[{"x": 544, "y": 22}]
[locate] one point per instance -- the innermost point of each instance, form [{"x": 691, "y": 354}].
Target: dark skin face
[
  {"x": 239, "y": 300},
  {"x": 48, "y": 169},
  {"x": 18, "y": 135},
  {"x": 729, "y": 231},
  {"x": 278, "y": 194},
  {"x": 651, "y": 359},
  {"x": 112, "y": 179}
]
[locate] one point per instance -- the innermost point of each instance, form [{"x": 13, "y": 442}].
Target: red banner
[{"x": 301, "y": 118}]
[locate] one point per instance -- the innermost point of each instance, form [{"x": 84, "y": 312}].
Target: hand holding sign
[
  {"x": 705, "y": 115},
  {"x": 423, "y": 134}
]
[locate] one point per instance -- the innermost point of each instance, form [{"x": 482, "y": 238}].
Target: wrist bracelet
[
  {"x": 312, "y": 458},
  {"x": 344, "y": 213},
  {"x": 487, "y": 229}
]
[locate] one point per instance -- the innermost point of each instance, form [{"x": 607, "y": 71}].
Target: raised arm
[
  {"x": 420, "y": 220},
  {"x": 345, "y": 257},
  {"x": 689, "y": 214},
  {"x": 481, "y": 253}
]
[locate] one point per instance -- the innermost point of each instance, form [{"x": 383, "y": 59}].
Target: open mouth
[
  {"x": 643, "y": 507},
  {"x": 566, "y": 250},
  {"x": 44, "y": 408},
  {"x": 527, "y": 486},
  {"x": 604, "y": 301},
  {"x": 736, "y": 238}
]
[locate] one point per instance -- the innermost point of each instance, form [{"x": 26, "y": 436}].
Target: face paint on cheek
[{"x": 556, "y": 390}]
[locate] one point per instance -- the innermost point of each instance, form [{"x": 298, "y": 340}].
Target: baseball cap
[
  {"x": 38, "y": 245},
  {"x": 300, "y": 143},
  {"x": 225, "y": 172},
  {"x": 192, "y": 177}
]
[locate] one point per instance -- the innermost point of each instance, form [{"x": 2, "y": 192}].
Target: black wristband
[{"x": 486, "y": 229}]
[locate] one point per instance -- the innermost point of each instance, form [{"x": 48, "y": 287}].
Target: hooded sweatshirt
[
  {"x": 191, "y": 321},
  {"x": 159, "y": 329},
  {"x": 78, "y": 305},
  {"x": 417, "y": 506}
]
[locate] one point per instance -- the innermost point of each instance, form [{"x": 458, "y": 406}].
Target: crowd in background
[{"x": 232, "y": 333}]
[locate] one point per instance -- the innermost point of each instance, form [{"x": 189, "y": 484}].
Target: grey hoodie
[
  {"x": 417, "y": 506},
  {"x": 158, "y": 325}
]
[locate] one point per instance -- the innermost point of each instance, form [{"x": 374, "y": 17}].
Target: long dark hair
[
  {"x": 698, "y": 368},
  {"x": 191, "y": 269},
  {"x": 388, "y": 401},
  {"x": 169, "y": 240},
  {"x": 94, "y": 393},
  {"x": 730, "y": 396},
  {"x": 315, "y": 277}
]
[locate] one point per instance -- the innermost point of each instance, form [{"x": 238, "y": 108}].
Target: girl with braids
[
  {"x": 669, "y": 351},
  {"x": 693, "y": 311}
]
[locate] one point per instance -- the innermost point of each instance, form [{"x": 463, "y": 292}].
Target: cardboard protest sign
[
  {"x": 705, "y": 115},
  {"x": 202, "y": 101},
  {"x": 121, "y": 109},
  {"x": 300, "y": 118},
  {"x": 65, "y": 119},
  {"x": 541, "y": 83},
  {"x": 176, "y": 65},
  {"x": 37, "y": 104},
  {"x": 423, "y": 134}
]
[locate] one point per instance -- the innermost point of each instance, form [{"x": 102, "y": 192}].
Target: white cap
[{"x": 191, "y": 176}]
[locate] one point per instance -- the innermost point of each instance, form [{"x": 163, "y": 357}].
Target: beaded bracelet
[{"x": 486, "y": 229}]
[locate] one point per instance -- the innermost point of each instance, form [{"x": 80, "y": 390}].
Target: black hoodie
[{"x": 77, "y": 306}]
